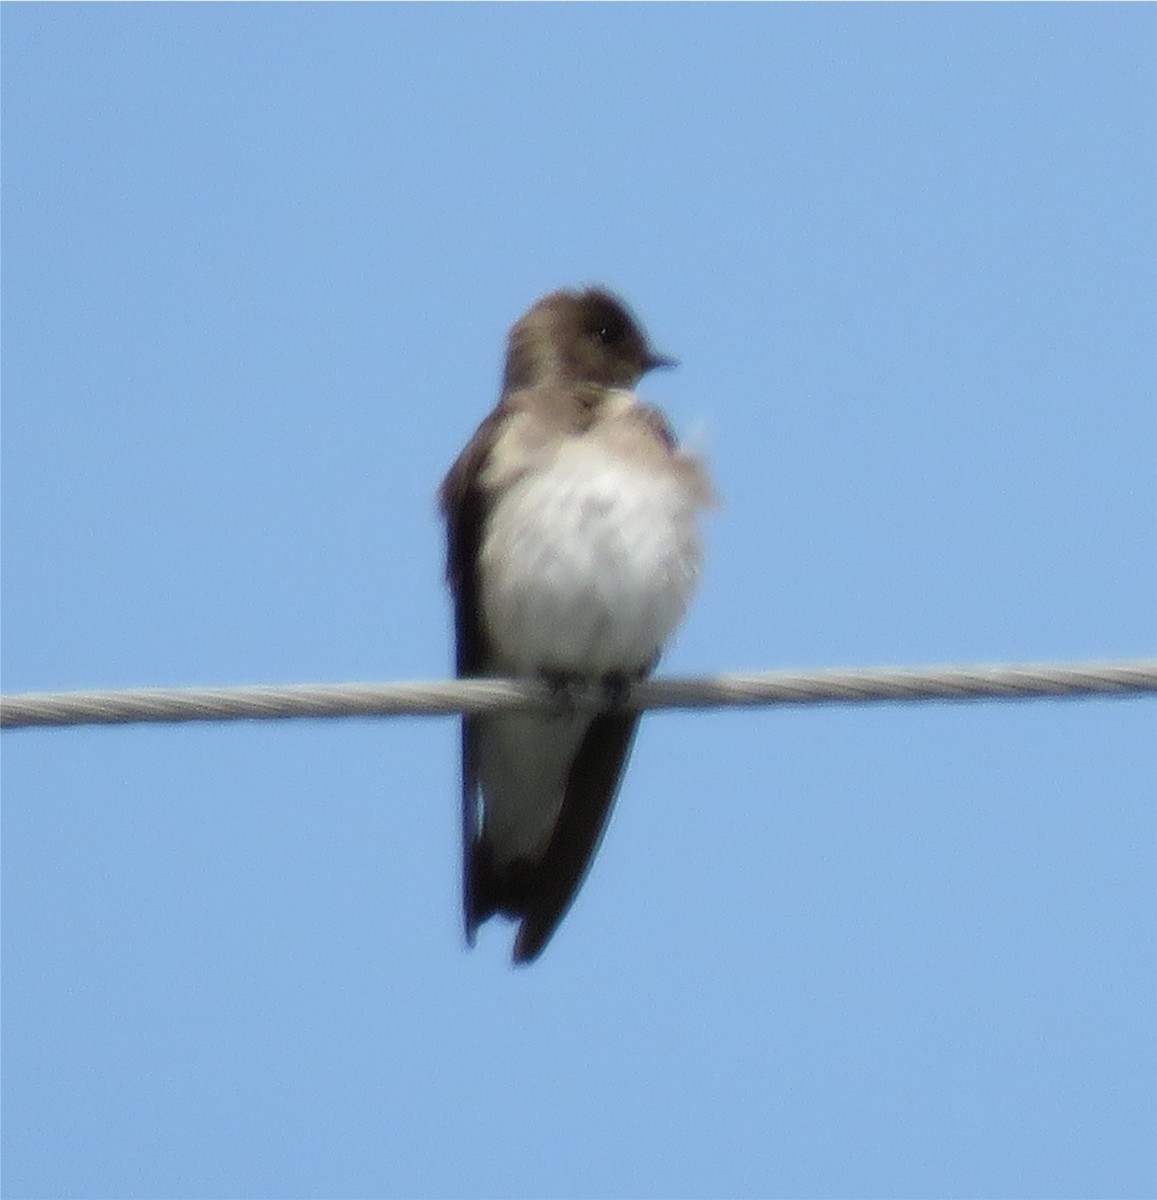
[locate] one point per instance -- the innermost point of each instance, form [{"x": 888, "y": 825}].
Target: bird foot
[
  {"x": 570, "y": 692},
  {"x": 564, "y": 688},
  {"x": 616, "y": 689}
]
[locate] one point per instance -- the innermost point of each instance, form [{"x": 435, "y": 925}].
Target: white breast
[{"x": 587, "y": 565}]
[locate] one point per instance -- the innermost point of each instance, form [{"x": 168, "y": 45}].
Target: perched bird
[{"x": 572, "y": 553}]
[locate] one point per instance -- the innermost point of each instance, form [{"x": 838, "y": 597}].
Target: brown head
[{"x": 579, "y": 337}]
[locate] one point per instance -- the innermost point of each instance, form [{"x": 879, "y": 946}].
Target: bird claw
[
  {"x": 570, "y": 692},
  {"x": 564, "y": 687},
  {"x": 616, "y": 689}
]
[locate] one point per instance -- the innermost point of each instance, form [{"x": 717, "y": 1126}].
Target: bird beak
[{"x": 661, "y": 361}]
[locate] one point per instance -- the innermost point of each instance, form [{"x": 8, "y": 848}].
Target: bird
[{"x": 573, "y": 548}]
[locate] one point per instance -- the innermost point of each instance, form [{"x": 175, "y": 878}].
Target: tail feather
[{"x": 551, "y": 886}]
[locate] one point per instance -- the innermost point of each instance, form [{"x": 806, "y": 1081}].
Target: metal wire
[{"x": 440, "y": 698}]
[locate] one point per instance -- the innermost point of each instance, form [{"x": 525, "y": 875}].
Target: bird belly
[{"x": 587, "y": 566}]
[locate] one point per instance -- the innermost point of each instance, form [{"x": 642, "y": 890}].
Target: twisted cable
[{"x": 475, "y": 696}]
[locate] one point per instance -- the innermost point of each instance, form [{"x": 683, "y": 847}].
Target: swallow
[{"x": 573, "y": 550}]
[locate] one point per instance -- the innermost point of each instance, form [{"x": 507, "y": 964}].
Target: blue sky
[{"x": 258, "y": 266}]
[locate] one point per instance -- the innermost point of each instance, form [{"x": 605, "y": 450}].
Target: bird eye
[{"x": 607, "y": 334}]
